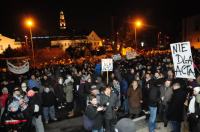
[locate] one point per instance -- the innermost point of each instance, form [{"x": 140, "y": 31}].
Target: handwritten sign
[
  {"x": 182, "y": 59},
  {"x": 107, "y": 64}
]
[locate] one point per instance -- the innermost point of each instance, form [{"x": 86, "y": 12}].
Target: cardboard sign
[
  {"x": 131, "y": 55},
  {"x": 107, "y": 64},
  {"x": 182, "y": 59},
  {"x": 117, "y": 57}
]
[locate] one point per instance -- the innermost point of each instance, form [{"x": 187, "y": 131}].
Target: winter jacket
[
  {"x": 176, "y": 105},
  {"x": 110, "y": 103},
  {"x": 166, "y": 93},
  {"x": 154, "y": 96},
  {"x": 48, "y": 99},
  {"x": 96, "y": 116},
  {"x": 134, "y": 97}
]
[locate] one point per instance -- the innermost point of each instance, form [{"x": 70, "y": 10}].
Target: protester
[
  {"x": 36, "y": 104},
  {"x": 193, "y": 110},
  {"x": 94, "y": 113},
  {"x": 154, "y": 98},
  {"x": 166, "y": 94},
  {"x": 68, "y": 89},
  {"x": 48, "y": 103},
  {"x": 135, "y": 99},
  {"x": 111, "y": 103},
  {"x": 3, "y": 100},
  {"x": 176, "y": 107}
]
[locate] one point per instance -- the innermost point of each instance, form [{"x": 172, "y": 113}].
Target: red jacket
[{"x": 3, "y": 99}]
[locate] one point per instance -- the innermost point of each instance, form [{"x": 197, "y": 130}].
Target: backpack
[{"x": 87, "y": 123}]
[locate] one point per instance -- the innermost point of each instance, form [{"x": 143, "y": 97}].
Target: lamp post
[
  {"x": 137, "y": 24},
  {"x": 29, "y": 24},
  {"x": 158, "y": 39}
]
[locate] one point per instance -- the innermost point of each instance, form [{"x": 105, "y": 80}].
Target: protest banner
[
  {"x": 117, "y": 57},
  {"x": 107, "y": 65},
  {"x": 131, "y": 55},
  {"x": 182, "y": 59}
]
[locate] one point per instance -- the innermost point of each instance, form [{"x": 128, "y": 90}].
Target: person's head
[
  {"x": 148, "y": 76},
  {"x": 170, "y": 73},
  {"x": 196, "y": 90},
  {"x": 94, "y": 90},
  {"x": 30, "y": 93},
  {"x": 93, "y": 99},
  {"x": 4, "y": 90},
  {"x": 176, "y": 86},
  {"x": 33, "y": 77},
  {"x": 125, "y": 125},
  {"x": 60, "y": 80},
  {"x": 132, "y": 71},
  {"x": 157, "y": 75},
  {"x": 107, "y": 90},
  {"x": 135, "y": 84},
  {"x": 45, "y": 77},
  {"x": 16, "y": 91},
  {"x": 168, "y": 83},
  {"x": 24, "y": 86},
  {"x": 46, "y": 89}
]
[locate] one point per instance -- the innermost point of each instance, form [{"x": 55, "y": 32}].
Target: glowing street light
[
  {"x": 29, "y": 23},
  {"x": 137, "y": 24}
]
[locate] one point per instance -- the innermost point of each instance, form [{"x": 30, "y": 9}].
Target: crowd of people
[{"x": 145, "y": 85}]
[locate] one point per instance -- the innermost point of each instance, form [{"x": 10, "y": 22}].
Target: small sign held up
[
  {"x": 107, "y": 64},
  {"x": 117, "y": 57},
  {"x": 182, "y": 59},
  {"x": 131, "y": 55}
]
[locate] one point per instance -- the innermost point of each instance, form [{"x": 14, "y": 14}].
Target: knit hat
[
  {"x": 125, "y": 125},
  {"x": 94, "y": 87}
]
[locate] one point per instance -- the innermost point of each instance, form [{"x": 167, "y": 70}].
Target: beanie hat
[{"x": 125, "y": 125}]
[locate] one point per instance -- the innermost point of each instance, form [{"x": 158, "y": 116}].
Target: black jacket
[
  {"x": 97, "y": 117},
  {"x": 36, "y": 100},
  {"x": 154, "y": 96},
  {"x": 176, "y": 105},
  {"x": 48, "y": 99}
]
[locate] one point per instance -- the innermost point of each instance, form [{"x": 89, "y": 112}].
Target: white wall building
[
  {"x": 5, "y": 42},
  {"x": 92, "y": 39}
]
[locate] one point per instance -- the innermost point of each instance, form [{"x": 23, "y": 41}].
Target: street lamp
[
  {"x": 158, "y": 39},
  {"x": 137, "y": 24},
  {"x": 29, "y": 23}
]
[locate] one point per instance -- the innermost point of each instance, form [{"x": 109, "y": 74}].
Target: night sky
[{"x": 159, "y": 15}]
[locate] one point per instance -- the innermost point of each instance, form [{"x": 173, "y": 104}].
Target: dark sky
[{"x": 161, "y": 15}]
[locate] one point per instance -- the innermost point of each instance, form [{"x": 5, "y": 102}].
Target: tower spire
[{"x": 62, "y": 20}]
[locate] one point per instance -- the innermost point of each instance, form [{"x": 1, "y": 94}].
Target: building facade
[
  {"x": 5, "y": 42},
  {"x": 191, "y": 30},
  {"x": 93, "y": 39}
]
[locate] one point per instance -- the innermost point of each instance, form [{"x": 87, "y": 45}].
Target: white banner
[
  {"x": 182, "y": 59},
  {"x": 18, "y": 69},
  {"x": 107, "y": 64}
]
